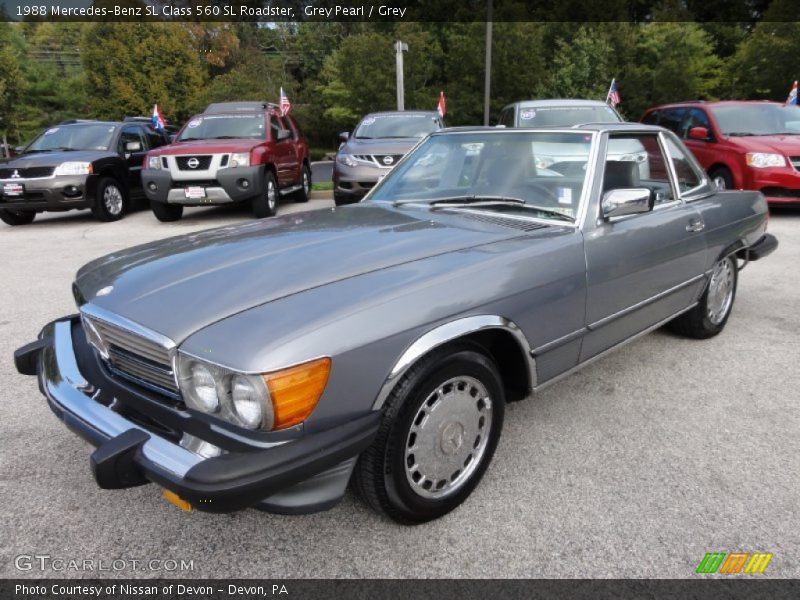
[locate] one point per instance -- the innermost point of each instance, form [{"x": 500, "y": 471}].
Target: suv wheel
[
  {"x": 303, "y": 193},
  {"x": 440, "y": 428},
  {"x": 166, "y": 212},
  {"x": 110, "y": 202},
  {"x": 17, "y": 217},
  {"x": 266, "y": 205}
]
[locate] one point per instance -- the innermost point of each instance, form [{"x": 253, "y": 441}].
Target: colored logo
[{"x": 735, "y": 562}]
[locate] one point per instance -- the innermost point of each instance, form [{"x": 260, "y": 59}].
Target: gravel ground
[{"x": 634, "y": 467}]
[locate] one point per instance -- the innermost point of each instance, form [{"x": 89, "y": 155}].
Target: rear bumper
[
  {"x": 64, "y": 192},
  {"x": 765, "y": 246},
  {"x": 229, "y": 186},
  {"x": 127, "y": 454}
]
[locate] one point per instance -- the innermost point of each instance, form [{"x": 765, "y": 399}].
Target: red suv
[
  {"x": 233, "y": 152},
  {"x": 751, "y": 145}
]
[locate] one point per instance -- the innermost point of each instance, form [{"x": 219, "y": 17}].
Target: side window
[
  {"x": 688, "y": 175},
  {"x": 652, "y": 118},
  {"x": 636, "y": 161},
  {"x": 276, "y": 124},
  {"x": 695, "y": 118},
  {"x": 506, "y": 117},
  {"x": 131, "y": 134},
  {"x": 671, "y": 118},
  {"x": 291, "y": 125},
  {"x": 154, "y": 139}
]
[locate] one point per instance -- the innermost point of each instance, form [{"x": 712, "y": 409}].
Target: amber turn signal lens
[
  {"x": 173, "y": 498},
  {"x": 295, "y": 391}
]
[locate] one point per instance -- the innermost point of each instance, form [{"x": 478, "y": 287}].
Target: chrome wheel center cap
[{"x": 452, "y": 437}]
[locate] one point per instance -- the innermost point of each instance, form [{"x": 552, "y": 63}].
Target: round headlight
[
  {"x": 247, "y": 402},
  {"x": 204, "y": 388}
]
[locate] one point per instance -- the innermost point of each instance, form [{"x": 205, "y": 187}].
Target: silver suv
[{"x": 378, "y": 142}]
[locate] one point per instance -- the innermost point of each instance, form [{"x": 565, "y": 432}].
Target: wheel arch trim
[{"x": 449, "y": 332}]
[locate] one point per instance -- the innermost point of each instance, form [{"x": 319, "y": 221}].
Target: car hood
[
  {"x": 379, "y": 146},
  {"x": 52, "y": 159},
  {"x": 180, "y": 285},
  {"x": 788, "y": 145},
  {"x": 210, "y": 146}
]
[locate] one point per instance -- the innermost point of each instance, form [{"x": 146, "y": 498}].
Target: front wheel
[
  {"x": 440, "y": 429},
  {"x": 722, "y": 178},
  {"x": 266, "y": 204},
  {"x": 17, "y": 217},
  {"x": 166, "y": 212},
  {"x": 708, "y": 318},
  {"x": 110, "y": 202}
]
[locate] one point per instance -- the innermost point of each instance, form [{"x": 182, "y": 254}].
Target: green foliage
[
  {"x": 12, "y": 82},
  {"x": 131, "y": 66},
  {"x": 582, "y": 66}
]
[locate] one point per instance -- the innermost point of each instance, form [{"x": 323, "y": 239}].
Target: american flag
[
  {"x": 792, "y": 99},
  {"x": 613, "y": 94},
  {"x": 442, "y": 108},
  {"x": 157, "y": 120},
  {"x": 286, "y": 106}
]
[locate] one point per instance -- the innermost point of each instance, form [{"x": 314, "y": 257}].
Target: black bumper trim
[{"x": 765, "y": 246}]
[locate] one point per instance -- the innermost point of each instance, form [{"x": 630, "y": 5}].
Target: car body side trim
[
  {"x": 559, "y": 342},
  {"x": 643, "y": 303},
  {"x": 617, "y": 346},
  {"x": 447, "y": 333}
]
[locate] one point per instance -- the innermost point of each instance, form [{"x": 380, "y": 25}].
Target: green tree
[
  {"x": 765, "y": 63},
  {"x": 582, "y": 66},
  {"x": 12, "y": 82},
  {"x": 673, "y": 61},
  {"x": 131, "y": 66}
]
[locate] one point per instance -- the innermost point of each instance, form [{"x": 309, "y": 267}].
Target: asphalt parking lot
[{"x": 634, "y": 467}]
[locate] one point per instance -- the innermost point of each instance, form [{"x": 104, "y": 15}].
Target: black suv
[{"x": 77, "y": 164}]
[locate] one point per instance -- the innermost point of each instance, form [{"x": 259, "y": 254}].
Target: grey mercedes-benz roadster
[{"x": 269, "y": 364}]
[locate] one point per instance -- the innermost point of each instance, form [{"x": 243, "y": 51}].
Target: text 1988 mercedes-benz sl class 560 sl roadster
[{"x": 269, "y": 364}]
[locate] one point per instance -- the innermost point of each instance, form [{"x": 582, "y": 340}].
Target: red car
[
  {"x": 233, "y": 152},
  {"x": 751, "y": 145}
]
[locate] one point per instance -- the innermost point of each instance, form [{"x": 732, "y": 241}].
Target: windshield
[
  {"x": 95, "y": 136},
  {"x": 396, "y": 126},
  {"x": 757, "y": 119},
  {"x": 210, "y": 127},
  {"x": 566, "y": 116},
  {"x": 498, "y": 165}
]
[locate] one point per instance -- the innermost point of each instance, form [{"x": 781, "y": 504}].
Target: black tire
[
  {"x": 166, "y": 213},
  {"x": 17, "y": 217},
  {"x": 381, "y": 476},
  {"x": 110, "y": 202},
  {"x": 703, "y": 322},
  {"x": 266, "y": 203},
  {"x": 722, "y": 177},
  {"x": 304, "y": 192}
]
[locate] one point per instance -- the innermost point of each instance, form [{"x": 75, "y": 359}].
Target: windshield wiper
[
  {"x": 190, "y": 139},
  {"x": 62, "y": 149},
  {"x": 224, "y": 137},
  {"x": 489, "y": 202},
  {"x": 743, "y": 133}
]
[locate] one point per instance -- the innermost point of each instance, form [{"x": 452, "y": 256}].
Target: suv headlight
[
  {"x": 153, "y": 162},
  {"x": 763, "y": 160},
  {"x": 239, "y": 159},
  {"x": 73, "y": 168},
  {"x": 346, "y": 160},
  {"x": 268, "y": 401}
]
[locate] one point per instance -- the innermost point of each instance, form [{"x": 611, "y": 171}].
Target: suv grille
[
  {"x": 378, "y": 159},
  {"x": 203, "y": 162},
  {"x": 136, "y": 357},
  {"x": 27, "y": 173}
]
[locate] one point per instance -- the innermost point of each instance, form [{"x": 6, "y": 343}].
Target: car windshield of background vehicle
[
  {"x": 396, "y": 126},
  {"x": 224, "y": 127},
  {"x": 73, "y": 137},
  {"x": 566, "y": 116},
  {"x": 757, "y": 119},
  {"x": 540, "y": 169}
]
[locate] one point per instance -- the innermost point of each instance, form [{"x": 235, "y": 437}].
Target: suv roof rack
[{"x": 219, "y": 107}]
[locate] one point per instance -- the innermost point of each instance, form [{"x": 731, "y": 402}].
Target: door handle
[{"x": 695, "y": 225}]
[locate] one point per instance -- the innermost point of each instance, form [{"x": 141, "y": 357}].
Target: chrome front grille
[{"x": 135, "y": 356}]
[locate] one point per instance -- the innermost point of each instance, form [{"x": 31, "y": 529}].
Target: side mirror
[
  {"x": 627, "y": 201},
  {"x": 284, "y": 134},
  {"x": 133, "y": 146},
  {"x": 699, "y": 133},
  {"x": 18, "y": 149},
  {"x": 344, "y": 136}
]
